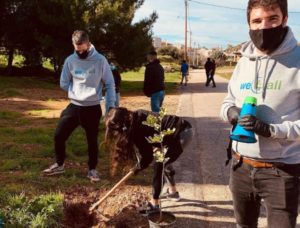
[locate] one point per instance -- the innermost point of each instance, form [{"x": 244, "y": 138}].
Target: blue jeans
[
  {"x": 277, "y": 186},
  {"x": 117, "y": 104},
  {"x": 157, "y": 100}
]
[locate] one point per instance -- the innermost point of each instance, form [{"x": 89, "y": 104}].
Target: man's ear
[{"x": 284, "y": 21}]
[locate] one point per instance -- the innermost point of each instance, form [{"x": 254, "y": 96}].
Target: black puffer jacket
[
  {"x": 117, "y": 78},
  {"x": 154, "y": 78},
  {"x": 139, "y": 132}
]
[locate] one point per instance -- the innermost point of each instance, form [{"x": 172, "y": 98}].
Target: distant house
[
  {"x": 233, "y": 53},
  {"x": 166, "y": 44},
  {"x": 156, "y": 42},
  {"x": 233, "y": 56},
  {"x": 179, "y": 46}
]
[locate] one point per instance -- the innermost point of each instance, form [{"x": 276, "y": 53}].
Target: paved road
[{"x": 202, "y": 176}]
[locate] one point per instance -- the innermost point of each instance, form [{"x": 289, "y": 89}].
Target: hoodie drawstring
[
  {"x": 256, "y": 74},
  {"x": 265, "y": 77},
  {"x": 264, "y": 86}
]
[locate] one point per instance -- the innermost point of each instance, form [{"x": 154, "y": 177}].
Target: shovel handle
[{"x": 95, "y": 205}]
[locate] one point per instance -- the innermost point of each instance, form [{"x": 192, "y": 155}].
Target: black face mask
[
  {"x": 268, "y": 40},
  {"x": 82, "y": 55}
]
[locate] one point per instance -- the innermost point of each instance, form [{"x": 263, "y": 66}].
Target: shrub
[{"x": 41, "y": 211}]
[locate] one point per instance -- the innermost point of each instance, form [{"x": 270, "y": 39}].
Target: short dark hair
[
  {"x": 282, "y": 4},
  {"x": 80, "y": 37},
  {"x": 154, "y": 53}
]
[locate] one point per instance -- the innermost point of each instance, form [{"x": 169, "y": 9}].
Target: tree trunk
[
  {"x": 10, "y": 61},
  {"x": 57, "y": 67}
]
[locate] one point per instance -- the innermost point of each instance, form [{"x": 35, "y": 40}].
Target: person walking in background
[
  {"x": 211, "y": 74},
  {"x": 117, "y": 79},
  {"x": 82, "y": 76},
  {"x": 184, "y": 72},
  {"x": 154, "y": 82},
  {"x": 208, "y": 70},
  {"x": 269, "y": 169}
]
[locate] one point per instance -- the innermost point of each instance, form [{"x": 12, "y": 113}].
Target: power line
[
  {"x": 214, "y": 5},
  {"x": 228, "y": 7}
]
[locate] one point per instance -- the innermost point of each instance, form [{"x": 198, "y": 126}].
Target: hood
[
  {"x": 288, "y": 44},
  {"x": 92, "y": 53},
  {"x": 156, "y": 61},
  {"x": 248, "y": 50}
]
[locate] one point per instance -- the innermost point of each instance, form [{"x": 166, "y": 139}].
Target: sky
[{"x": 210, "y": 26}]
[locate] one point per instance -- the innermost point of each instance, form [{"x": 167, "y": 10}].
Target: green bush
[{"x": 40, "y": 212}]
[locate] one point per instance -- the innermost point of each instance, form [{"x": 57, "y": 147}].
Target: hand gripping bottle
[{"x": 239, "y": 133}]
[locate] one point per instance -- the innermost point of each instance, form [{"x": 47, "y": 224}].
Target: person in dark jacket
[
  {"x": 212, "y": 74},
  {"x": 208, "y": 70},
  {"x": 154, "y": 83},
  {"x": 126, "y": 137},
  {"x": 117, "y": 78}
]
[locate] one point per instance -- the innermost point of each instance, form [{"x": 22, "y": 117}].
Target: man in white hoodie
[
  {"x": 82, "y": 76},
  {"x": 270, "y": 71}
]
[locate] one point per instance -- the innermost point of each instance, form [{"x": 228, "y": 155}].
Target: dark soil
[
  {"x": 119, "y": 210},
  {"x": 166, "y": 218}
]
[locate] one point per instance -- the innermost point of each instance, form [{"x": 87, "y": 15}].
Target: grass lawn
[
  {"x": 225, "y": 71},
  {"x": 26, "y": 143}
]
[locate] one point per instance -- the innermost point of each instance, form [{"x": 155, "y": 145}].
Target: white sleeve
[
  {"x": 65, "y": 77},
  {"x": 108, "y": 80},
  {"x": 289, "y": 130}
]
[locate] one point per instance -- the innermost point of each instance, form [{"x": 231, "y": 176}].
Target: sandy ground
[{"x": 201, "y": 172}]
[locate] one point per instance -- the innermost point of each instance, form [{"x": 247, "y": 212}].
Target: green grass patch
[
  {"x": 133, "y": 82},
  {"x": 8, "y": 115},
  {"x": 48, "y": 65},
  {"x": 39, "y": 112},
  {"x": 12, "y": 119},
  {"x": 10, "y": 93},
  {"x": 225, "y": 71},
  {"x": 224, "y": 75},
  {"x": 18, "y": 61},
  {"x": 26, "y": 152},
  {"x": 8, "y": 83}
]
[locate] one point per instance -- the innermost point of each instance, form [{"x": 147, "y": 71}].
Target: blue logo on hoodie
[
  {"x": 271, "y": 85},
  {"x": 78, "y": 71}
]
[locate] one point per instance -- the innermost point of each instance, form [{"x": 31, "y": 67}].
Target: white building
[{"x": 156, "y": 42}]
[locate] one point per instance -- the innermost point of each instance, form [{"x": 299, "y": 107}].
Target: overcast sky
[{"x": 211, "y": 26}]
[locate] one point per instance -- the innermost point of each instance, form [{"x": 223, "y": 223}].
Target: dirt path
[{"x": 202, "y": 176}]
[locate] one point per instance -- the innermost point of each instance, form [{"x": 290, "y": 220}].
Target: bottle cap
[{"x": 250, "y": 100}]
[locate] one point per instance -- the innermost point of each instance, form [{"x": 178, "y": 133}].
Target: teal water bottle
[{"x": 240, "y": 134}]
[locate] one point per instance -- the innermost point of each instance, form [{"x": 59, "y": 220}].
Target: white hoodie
[
  {"x": 277, "y": 80},
  {"x": 83, "y": 79}
]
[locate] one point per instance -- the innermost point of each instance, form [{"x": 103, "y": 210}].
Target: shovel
[{"x": 95, "y": 205}]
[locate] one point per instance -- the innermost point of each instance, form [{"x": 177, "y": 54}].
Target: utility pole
[
  {"x": 191, "y": 47},
  {"x": 194, "y": 53},
  {"x": 185, "y": 30}
]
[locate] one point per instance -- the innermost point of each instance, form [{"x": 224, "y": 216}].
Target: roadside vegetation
[{"x": 30, "y": 108}]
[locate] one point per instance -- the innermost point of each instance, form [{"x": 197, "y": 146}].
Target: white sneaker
[
  {"x": 54, "y": 170},
  {"x": 93, "y": 175}
]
